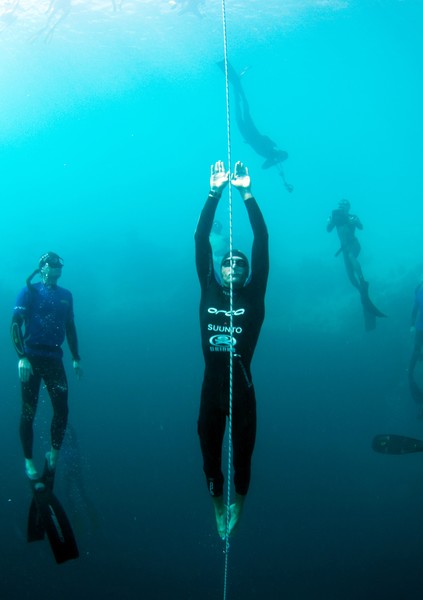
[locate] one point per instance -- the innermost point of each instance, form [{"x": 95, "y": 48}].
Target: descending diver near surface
[
  {"x": 346, "y": 224},
  {"x": 260, "y": 143},
  {"x": 218, "y": 341},
  {"x": 417, "y": 329}
]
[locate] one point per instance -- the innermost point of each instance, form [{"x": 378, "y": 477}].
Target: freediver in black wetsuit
[
  {"x": 260, "y": 143},
  {"x": 218, "y": 340},
  {"x": 346, "y": 224}
]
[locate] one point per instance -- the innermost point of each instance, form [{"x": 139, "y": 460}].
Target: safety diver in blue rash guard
[
  {"x": 346, "y": 224},
  {"x": 218, "y": 339},
  {"x": 42, "y": 318}
]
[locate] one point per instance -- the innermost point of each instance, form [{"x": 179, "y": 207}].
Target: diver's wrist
[{"x": 247, "y": 196}]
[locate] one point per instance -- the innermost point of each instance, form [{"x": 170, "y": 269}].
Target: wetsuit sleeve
[
  {"x": 260, "y": 251},
  {"x": 203, "y": 249},
  {"x": 72, "y": 339},
  {"x": 18, "y": 321},
  {"x": 16, "y": 333},
  {"x": 71, "y": 335}
]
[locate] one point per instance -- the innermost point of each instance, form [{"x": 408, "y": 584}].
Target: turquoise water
[{"x": 110, "y": 116}]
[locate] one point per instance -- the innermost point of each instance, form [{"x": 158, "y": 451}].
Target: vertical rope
[{"x": 229, "y": 469}]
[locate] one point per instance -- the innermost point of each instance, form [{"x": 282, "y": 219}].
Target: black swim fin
[
  {"x": 396, "y": 444},
  {"x": 367, "y": 303},
  {"x": 46, "y": 515}
]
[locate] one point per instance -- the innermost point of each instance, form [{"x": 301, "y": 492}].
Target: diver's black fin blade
[
  {"x": 396, "y": 444},
  {"x": 367, "y": 303},
  {"x": 58, "y": 529},
  {"x": 35, "y": 530},
  {"x": 46, "y": 515}
]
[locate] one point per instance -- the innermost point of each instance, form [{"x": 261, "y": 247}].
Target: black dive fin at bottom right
[{"x": 396, "y": 444}]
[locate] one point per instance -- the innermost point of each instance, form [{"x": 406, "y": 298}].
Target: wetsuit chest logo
[
  {"x": 222, "y": 343},
  {"x": 227, "y": 313}
]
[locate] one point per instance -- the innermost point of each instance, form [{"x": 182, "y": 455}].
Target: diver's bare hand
[
  {"x": 241, "y": 180},
  {"x": 219, "y": 177}
]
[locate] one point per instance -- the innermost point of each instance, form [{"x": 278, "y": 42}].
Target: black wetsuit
[
  {"x": 217, "y": 341},
  {"x": 46, "y": 313},
  {"x": 261, "y": 144}
]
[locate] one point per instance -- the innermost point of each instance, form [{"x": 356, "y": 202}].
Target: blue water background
[{"x": 110, "y": 115}]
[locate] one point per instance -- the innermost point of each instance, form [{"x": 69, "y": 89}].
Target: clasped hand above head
[{"x": 240, "y": 178}]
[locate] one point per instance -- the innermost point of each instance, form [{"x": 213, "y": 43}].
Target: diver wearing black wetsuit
[
  {"x": 218, "y": 339},
  {"x": 261, "y": 144},
  {"x": 346, "y": 224}
]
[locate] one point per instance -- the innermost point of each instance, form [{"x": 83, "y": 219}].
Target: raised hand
[
  {"x": 240, "y": 177},
  {"x": 241, "y": 180},
  {"x": 219, "y": 177}
]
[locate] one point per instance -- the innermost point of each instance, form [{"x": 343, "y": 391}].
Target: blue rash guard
[
  {"x": 42, "y": 319},
  {"x": 47, "y": 315}
]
